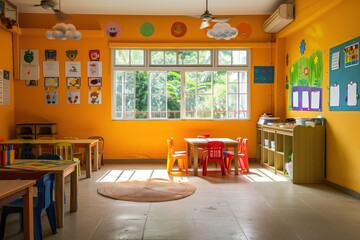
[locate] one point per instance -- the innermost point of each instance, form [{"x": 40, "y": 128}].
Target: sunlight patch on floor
[
  {"x": 264, "y": 175},
  {"x": 139, "y": 175}
]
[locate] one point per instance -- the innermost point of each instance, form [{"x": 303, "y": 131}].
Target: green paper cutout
[{"x": 147, "y": 29}]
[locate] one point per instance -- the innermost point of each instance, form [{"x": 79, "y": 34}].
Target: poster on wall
[
  {"x": 344, "y": 80},
  {"x": 94, "y": 69},
  {"x": 73, "y": 97},
  {"x": 51, "y": 97},
  {"x": 305, "y": 85},
  {"x": 51, "y": 69},
  {"x": 263, "y": 74},
  {"x": 4, "y": 87},
  {"x": 72, "y": 69},
  {"x": 29, "y": 64},
  {"x": 94, "y": 97}
]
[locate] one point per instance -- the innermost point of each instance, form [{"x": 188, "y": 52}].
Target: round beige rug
[{"x": 152, "y": 190}]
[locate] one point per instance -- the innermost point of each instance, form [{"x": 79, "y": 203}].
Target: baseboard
[{"x": 343, "y": 189}]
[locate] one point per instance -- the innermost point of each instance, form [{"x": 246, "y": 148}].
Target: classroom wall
[
  {"x": 6, "y": 63},
  {"x": 134, "y": 139},
  {"x": 323, "y": 25}
]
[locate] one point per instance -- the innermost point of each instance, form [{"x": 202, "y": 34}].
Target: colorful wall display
[
  {"x": 344, "y": 76},
  {"x": 264, "y": 74},
  {"x": 305, "y": 84},
  {"x": 178, "y": 29},
  {"x": 29, "y": 65},
  {"x": 147, "y": 29}
]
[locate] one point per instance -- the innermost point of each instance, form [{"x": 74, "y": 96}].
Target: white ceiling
[{"x": 155, "y": 7}]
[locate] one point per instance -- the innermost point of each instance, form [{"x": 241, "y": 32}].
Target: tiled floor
[{"x": 258, "y": 206}]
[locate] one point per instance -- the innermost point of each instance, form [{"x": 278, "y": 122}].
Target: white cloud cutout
[
  {"x": 63, "y": 31},
  {"x": 222, "y": 31}
]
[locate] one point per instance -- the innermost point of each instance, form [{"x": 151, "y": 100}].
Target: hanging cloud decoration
[
  {"x": 63, "y": 31},
  {"x": 222, "y": 31}
]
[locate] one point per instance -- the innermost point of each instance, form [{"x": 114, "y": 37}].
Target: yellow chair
[
  {"x": 66, "y": 151},
  {"x": 78, "y": 152},
  {"x": 101, "y": 148},
  {"x": 173, "y": 155}
]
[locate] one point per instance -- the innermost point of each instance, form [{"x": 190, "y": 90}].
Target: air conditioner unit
[{"x": 279, "y": 19}]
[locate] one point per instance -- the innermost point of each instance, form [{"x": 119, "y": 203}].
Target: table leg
[
  {"x": 28, "y": 214},
  {"x": 188, "y": 149},
  {"x": 74, "y": 191},
  {"x": 88, "y": 161},
  {"x": 96, "y": 157},
  {"x": 196, "y": 159},
  {"x": 59, "y": 198},
  {"x": 236, "y": 159}
]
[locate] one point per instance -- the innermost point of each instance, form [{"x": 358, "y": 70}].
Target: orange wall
[
  {"x": 133, "y": 139},
  {"x": 335, "y": 24},
  {"x": 6, "y": 59}
]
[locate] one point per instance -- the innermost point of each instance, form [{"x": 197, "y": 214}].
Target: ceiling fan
[
  {"x": 207, "y": 17},
  {"x": 50, "y": 5}
]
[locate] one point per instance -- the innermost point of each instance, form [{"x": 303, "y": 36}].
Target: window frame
[{"x": 183, "y": 69}]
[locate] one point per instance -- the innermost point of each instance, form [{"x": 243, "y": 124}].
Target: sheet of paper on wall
[
  {"x": 94, "y": 69},
  {"x": 305, "y": 99},
  {"x": 315, "y": 100},
  {"x": 72, "y": 69},
  {"x": 335, "y": 96},
  {"x": 29, "y": 72},
  {"x": 51, "y": 68},
  {"x": 352, "y": 93},
  {"x": 335, "y": 60},
  {"x": 295, "y": 99}
]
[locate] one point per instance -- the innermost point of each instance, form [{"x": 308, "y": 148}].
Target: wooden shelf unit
[
  {"x": 35, "y": 130},
  {"x": 307, "y": 144}
]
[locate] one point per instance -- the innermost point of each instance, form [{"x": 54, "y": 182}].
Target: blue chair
[
  {"x": 26, "y": 152},
  {"x": 44, "y": 200},
  {"x": 50, "y": 156}
]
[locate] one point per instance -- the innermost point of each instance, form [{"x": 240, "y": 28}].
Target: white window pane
[
  {"x": 224, "y": 57},
  {"x": 205, "y": 57},
  {"x": 170, "y": 58},
  {"x": 137, "y": 57},
  {"x": 157, "y": 57},
  {"x": 122, "y": 57}
]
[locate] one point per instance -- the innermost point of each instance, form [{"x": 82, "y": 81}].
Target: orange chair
[
  {"x": 229, "y": 155},
  {"x": 243, "y": 159},
  {"x": 215, "y": 153},
  {"x": 173, "y": 155},
  {"x": 202, "y": 148}
]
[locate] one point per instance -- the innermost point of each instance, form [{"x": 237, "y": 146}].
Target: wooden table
[
  {"x": 88, "y": 144},
  {"x": 196, "y": 142},
  {"x": 11, "y": 190},
  {"x": 69, "y": 168}
]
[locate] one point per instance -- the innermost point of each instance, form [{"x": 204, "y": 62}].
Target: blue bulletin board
[
  {"x": 344, "y": 76},
  {"x": 263, "y": 74}
]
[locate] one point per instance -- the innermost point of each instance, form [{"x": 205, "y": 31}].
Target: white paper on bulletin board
[
  {"x": 315, "y": 100},
  {"x": 335, "y": 96},
  {"x": 305, "y": 99},
  {"x": 295, "y": 99},
  {"x": 352, "y": 92}
]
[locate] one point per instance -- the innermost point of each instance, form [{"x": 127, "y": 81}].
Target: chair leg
[
  {"x": 37, "y": 227},
  {"x": 222, "y": 165},
  {"x": 50, "y": 211},
  {"x": 2, "y": 225}
]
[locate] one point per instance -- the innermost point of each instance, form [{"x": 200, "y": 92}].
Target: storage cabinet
[
  {"x": 304, "y": 146},
  {"x": 35, "y": 130}
]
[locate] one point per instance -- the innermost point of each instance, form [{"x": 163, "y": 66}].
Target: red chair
[
  {"x": 202, "y": 148},
  {"x": 215, "y": 153},
  {"x": 243, "y": 159},
  {"x": 229, "y": 155},
  {"x": 173, "y": 155}
]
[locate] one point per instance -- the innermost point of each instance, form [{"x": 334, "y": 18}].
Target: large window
[{"x": 180, "y": 84}]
